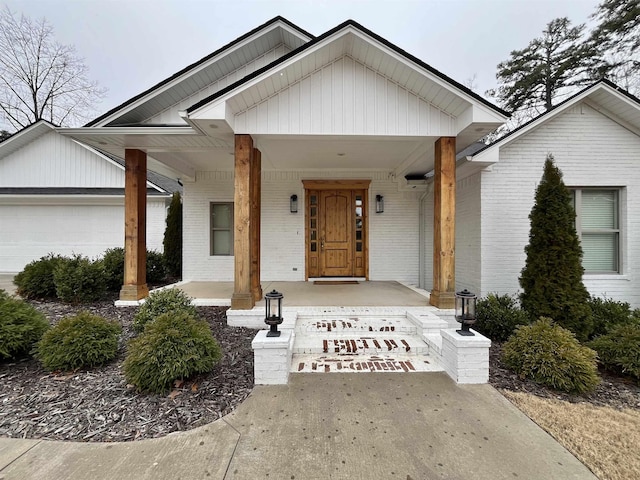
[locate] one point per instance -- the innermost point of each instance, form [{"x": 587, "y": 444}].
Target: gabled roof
[
  {"x": 186, "y": 72},
  {"x": 610, "y": 99},
  {"x": 24, "y": 136},
  {"x": 321, "y": 38},
  {"x": 31, "y": 133}
]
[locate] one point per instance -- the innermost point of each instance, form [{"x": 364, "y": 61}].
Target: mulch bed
[
  {"x": 98, "y": 405},
  {"x": 614, "y": 391}
]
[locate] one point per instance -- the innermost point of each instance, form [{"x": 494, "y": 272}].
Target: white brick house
[
  {"x": 594, "y": 137},
  {"x": 337, "y": 122},
  {"x": 60, "y": 196}
]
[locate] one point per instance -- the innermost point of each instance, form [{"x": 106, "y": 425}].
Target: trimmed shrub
[
  {"x": 619, "y": 350},
  {"x": 79, "y": 280},
  {"x": 162, "y": 301},
  {"x": 497, "y": 316},
  {"x": 83, "y": 340},
  {"x": 36, "y": 279},
  {"x": 173, "y": 237},
  {"x": 608, "y": 313},
  {"x": 113, "y": 264},
  {"x": 551, "y": 355},
  {"x": 175, "y": 346},
  {"x": 156, "y": 270},
  {"x": 21, "y": 326}
]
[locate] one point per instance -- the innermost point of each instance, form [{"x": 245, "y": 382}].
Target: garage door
[{"x": 28, "y": 232}]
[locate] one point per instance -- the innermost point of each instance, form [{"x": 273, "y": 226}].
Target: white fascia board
[
  {"x": 78, "y": 133},
  {"x": 490, "y": 155},
  {"x": 196, "y": 69},
  {"x": 479, "y": 114}
]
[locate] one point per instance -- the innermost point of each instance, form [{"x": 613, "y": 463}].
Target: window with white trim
[
  {"x": 598, "y": 227},
  {"x": 221, "y": 221}
]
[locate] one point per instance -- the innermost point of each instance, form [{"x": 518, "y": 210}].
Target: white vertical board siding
[
  {"x": 171, "y": 115},
  {"x": 591, "y": 150},
  {"x": 56, "y": 161},
  {"x": 468, "y": 234},
  {"x": 197, "y": 263},
  {"x": 393, "y": 235},
  {"x": 344, "y": 98}
]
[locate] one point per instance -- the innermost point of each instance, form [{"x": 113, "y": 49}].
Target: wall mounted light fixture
[
  {"x": 293, "y": 204},
  {"x": 379, "y": 204}
]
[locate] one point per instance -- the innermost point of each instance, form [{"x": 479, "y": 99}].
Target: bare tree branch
[{"x": 41, "y": 78}]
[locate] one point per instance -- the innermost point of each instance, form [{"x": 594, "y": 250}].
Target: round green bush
[
  {"x": 619, "y": 350},
  {"x": 162, "y": 301},
  {"x": 497, "y": 316},
  {"x": 156, "y": 269},
  {"x": 83, "y": 340},
  {"x": 551, "y": 355},
  {"x": 79, "y": 280},
  {"x": 36, "y": 279},
  {"x": 21, "y": 326},
  {"x": 608, "y": 314},
  {"x": 175, "y": 346},
  {"x": 113, "y": 264}
]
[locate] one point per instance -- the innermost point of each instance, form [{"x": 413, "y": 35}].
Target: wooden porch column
[
  {"x": 256, "y": 187},
  {"x": 242, "y": 298},
  {"x": 444, "y": 224},
  {"x": 135, "y": 226}
]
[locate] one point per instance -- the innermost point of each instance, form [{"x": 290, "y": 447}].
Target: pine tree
[
  {"x": 616, "y": 42},
  {"x": 552, "y": 277},
  {"x": 173, "y": 237},
  {"x": 535, "y": 75}
]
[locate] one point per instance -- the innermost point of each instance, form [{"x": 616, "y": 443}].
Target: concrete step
[
  {"x": 401, "y": 363},
  {"x": 364, "y": 344},
  {"x": 354, "y": 324}
]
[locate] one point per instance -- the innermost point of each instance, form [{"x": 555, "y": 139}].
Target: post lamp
[
  {"x": 466, "y": 311},
  {"x": 273, "y": 315}
]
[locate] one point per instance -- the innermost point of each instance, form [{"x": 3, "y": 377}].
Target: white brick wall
[
  {"x": 393, "y": 235},
  {"x": 468, "y": 232},
  {"x": 197, "y": 264},
  {"x": 591, "y": 150}
]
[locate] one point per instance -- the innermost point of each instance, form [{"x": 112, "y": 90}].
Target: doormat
[{"x": 335, "y": 282}]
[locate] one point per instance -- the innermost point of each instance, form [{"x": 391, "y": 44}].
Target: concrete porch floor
[{"x": 298, "y": 294}]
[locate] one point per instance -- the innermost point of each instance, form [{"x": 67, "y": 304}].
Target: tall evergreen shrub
[
  {"x": 173, "y": 237},
  {"x": 552, "y": 277}
]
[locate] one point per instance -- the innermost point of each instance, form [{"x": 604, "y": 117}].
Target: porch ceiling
[{"x": 182, "y": 151}]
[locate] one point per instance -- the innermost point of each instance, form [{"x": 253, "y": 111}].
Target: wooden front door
[{"x": 336, "y": 229}]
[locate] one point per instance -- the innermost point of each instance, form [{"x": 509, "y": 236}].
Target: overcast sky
[{"x": 130, "y": 45}]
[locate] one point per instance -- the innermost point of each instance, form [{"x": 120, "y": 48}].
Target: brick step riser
[
  {"x": 369, "y": 346},
  {"x": 355, "y": 325},
  {"x": 362, "y": 364}
]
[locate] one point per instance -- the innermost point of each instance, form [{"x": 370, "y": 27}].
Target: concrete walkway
[
  {"x": 326, "y": 426},
  {"x": 6, "y": 283}
]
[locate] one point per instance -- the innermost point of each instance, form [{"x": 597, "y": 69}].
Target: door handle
[{"x": 322, "y": 244}]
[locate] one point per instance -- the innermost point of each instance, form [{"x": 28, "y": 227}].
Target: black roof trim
[
  {"x": 605, "y": 81},
  {"x": 328, "y": 34},
  {"x": 197, "y": 63},
  {"x": 70, "y": 191}
]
